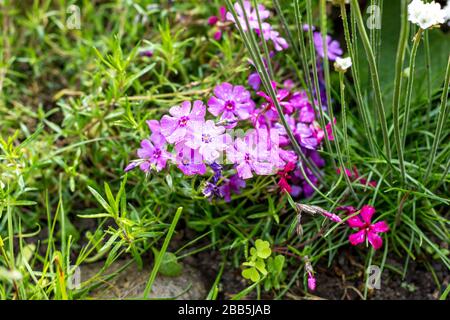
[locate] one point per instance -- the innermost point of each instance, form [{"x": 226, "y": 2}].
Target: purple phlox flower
[
  {"x": 146, "y": 53},
  {"x": 233, "y": 185},
  {"x": 253, "y": 154},
  {"x": 232, "y": 102},
  {"x": 282, "y": 95},
  {"x": 217, "y": 169},
  {"x": 305, "y": 136},
  {"x": 254, "y": 80},
  {"x": 301, "y": 187},
  {"x": 130, "y": 166},
  {"x": 299, "y": 100},
  {"x": 156, "y": 135},
  {"x": 306, "y": 27},
  {"x": 218, "y": 22},
  {"x": 283, "y": 137},
  {"x": 333, "y": 46},
  {"x": 251, "y": 14},
  {"x": 153, "y": 156},
  {"x": 209, "y": 139},
  {"x": 316, "y": 158},
  {"x": 269, "y": 33},
  {"x": 210, "y": 190},
  {"x": 175, "y": 127},
  {"x": 189, "y": 160}
]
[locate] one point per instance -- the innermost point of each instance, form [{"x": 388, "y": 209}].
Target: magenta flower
[
  {"x": 175, "y": 127},
  {"x": 218, "y": 22},
  {"x": 333, "y": 47},
  {"x": 252, "y": 154},
  {"x": 209, "y": 139},
  {"x": 154, "y": 156},
  {"x": 232, "y": 102},
  {"x": 282, "y": 95},
  {"x": 251, "y": 15},
  {"x": 188, "y": 160},
  {"x": 366, "y": 229}
]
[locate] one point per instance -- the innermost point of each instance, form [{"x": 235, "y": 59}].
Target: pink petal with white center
[
  {"x": 375, "y": 240},
  {"x": 367, "y": 212},
  {"x": 215, "y": 106},
  {"x": 181, "y": 110},
  {"x": 244, "y": 170},
  {"x": 177, "y": 135},
  {"x": 198, "y": 111},
  {"x": 380, "y": 226},
  {"x": 224, "y": 91},
  {"x": 357, "y": 238},
  {"x": 168, "y": 125}
]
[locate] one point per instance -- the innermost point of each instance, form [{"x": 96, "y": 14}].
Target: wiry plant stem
[
  {"x": 375, "y": 79},
  {"x": 401, "y": 50}
]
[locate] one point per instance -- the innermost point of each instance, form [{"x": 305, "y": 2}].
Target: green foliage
[{"x": 262, "y": 265}]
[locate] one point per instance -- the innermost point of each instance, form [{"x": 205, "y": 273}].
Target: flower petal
[
  {"x": 366, "y": 213},
  {"x": 380, "y": 226},
  {"x": 357, "y": 238},
  {"x": 375, "y": 240}
]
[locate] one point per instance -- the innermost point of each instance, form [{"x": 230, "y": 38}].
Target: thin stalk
[
  {"x": 409, "y": 90},
  {"x": 304, "y": 58},
  {"x": 359, "y": 99},
  {"x": 441, "y": 120},
  {"x": 265, "y": 48},
  {"x": 160, "y": 256},
  {"x": 344, "y": 117},
  {"x": 428, "y": 67},
  {"x": 316, "y": 78},
  {"x": 400, "y": 58},
  {"x": 326, "y": 70},
  {"x": 375, "y": 79},
  {"x": 336, "y": 137}
]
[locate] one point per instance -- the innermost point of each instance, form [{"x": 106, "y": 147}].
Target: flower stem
[
  {"x": 443, "y": 112},
  {"x": 401, "y": 50},
  {"x": 375, "y": 79},
  {"x": 412, "y": 67}
]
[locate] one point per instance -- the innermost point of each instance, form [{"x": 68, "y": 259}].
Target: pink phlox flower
[
  {"x": 232, "y": 102},
  {"x": 366, "y": 229},
  {"x": 252, "y": 154},
  {"x": 209, "y": 139},
  {"x": 181, "y": 120}
]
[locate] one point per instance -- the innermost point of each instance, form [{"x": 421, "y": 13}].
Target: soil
[{"x": 344, "y": 279}]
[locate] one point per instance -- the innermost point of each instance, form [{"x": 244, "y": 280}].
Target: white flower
[
  {"x": 425, "y": 15},
  {"x": 342, "y": 64}
]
